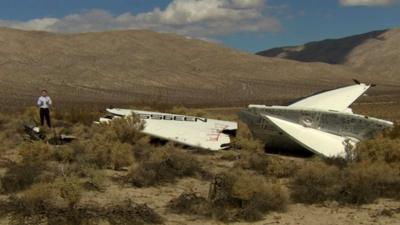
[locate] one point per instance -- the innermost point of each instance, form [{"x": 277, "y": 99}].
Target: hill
[
  {"x": 373, "y": 54},
  {"x": 144, "y": 67}
]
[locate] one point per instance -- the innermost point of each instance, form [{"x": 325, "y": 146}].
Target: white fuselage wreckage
[
  {"x": 323, "y": 123},
  {"x": 187, "y": 130}
]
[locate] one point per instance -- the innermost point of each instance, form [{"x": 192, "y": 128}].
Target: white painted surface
[
  {"x": 192, "y": 131},
  {"x": 338, "y": 99},
  {"x": 317, "y": 141}
]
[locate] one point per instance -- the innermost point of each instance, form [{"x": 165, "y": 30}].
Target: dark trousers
[{"x": 45, "y": 115}]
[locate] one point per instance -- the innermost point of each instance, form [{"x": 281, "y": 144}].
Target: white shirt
[{"x": 44, "y": 102}]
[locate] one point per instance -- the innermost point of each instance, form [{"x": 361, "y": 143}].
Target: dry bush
[
  {"x": 395, "y": 132},
  {"x": 190, "y": 203},
  {"x": 365, "y": 182},
  {"x": 163, "y": 165},
  {"x": 3, "y": 120},
  {"x": 11, "y": 134},
  {"x": 181, "y": 110},
  {"x": 95, "y": 180},
  {"x": 244, "y": 139},
  {"x": 77, "y": 115},
  {"x": 30, "y": 113},
  {"x": 266, "y": 165},
  {"x": 241, "y": 195},
  {"x": 36, "y": 208},
  {"x": 36, "y": 152},
  {"x": 235, "y": 195},
  {"x": 356, "y": 183},
  {"x": 38, "y": 197},
  {"x": 129, "y": 213},
  {"x": 100, "y": 150},
  {"x": 70, "y": 189},
  {"x": 230, "y": 155},
  {"x": 381, "y": 148},
  {"x": 44, "y": 200},
  {"x": 107, "y": 154},
  {"x": 20, "y": 176},
  {"x": 316, "y": 182},
  {"x": 123, "y": 130}
]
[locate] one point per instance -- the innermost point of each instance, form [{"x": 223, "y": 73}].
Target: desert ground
[{"x": 117, "y": 176}]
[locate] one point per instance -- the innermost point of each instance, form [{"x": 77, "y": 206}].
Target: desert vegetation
[{"x": 77, "y": 183}]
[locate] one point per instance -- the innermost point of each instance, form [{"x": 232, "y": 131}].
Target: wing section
[
  {"x": 338, "y": 99},
  {"x": 188, "y": 130},
  {"x": 317, "y": 141}
]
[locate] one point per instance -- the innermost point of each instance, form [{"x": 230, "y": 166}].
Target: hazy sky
[{"x": 250, "y": 25}]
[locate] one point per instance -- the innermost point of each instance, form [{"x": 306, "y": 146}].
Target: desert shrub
[
  {"x": 266, "y": 165},
  {"x": 30, "y": 113},
  {"x": 11, "y": 134},
  {"x": 381, "y": 148},
  {"x": 95, "y": 180},
  {"x": 181, "y": 110},
  {"x": 123, "y": 130},
  {"x": 3, "y": 120},
  {"x": 49, "y": 203},
  {"x": 230, "y": 156},
  {"x": 130, "y": 213},
  {"x": 70, "y": 190},
  {"x": 242, "y": 195},
  {"x": 244, "y": 139},
  {"x": 234, "y": 195},
  {"x": 36, "y": 152},
  {"x": 395, "y": 132},
  {"x": 316, "y": 182},
  {"x": 190, "y": 203},
  {"x": 356, "y": 183},
  {"x": 77, "y": 115},
  {"x": 65, "y": 154},
  {"x": 38, "y": 197},
  {"x": 20, "y": 176},
  {"x": 163, "y": 165},
  {"x": 107, "y": 154},
  {"x": 365, "y": 182}
]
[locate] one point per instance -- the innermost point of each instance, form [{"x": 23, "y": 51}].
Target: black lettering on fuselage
[{"x": 172, "y": 118}]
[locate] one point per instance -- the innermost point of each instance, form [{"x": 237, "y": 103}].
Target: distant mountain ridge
[
  {"x": 136, "y": 67},
  {"x": 375, "y": 53}
]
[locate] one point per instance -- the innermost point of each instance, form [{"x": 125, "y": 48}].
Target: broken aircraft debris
[
  {"x": 192, "y": 131},
  {"x": 36, "y": 134},
  {"x": 323, "y": 123}
]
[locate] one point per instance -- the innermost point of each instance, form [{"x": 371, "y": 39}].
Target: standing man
[{"x": 44, "y": 103}]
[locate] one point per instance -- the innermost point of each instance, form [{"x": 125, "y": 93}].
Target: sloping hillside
[
  {"x": 374, "y": 54},
  {"x": 146, "y": 67}
]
